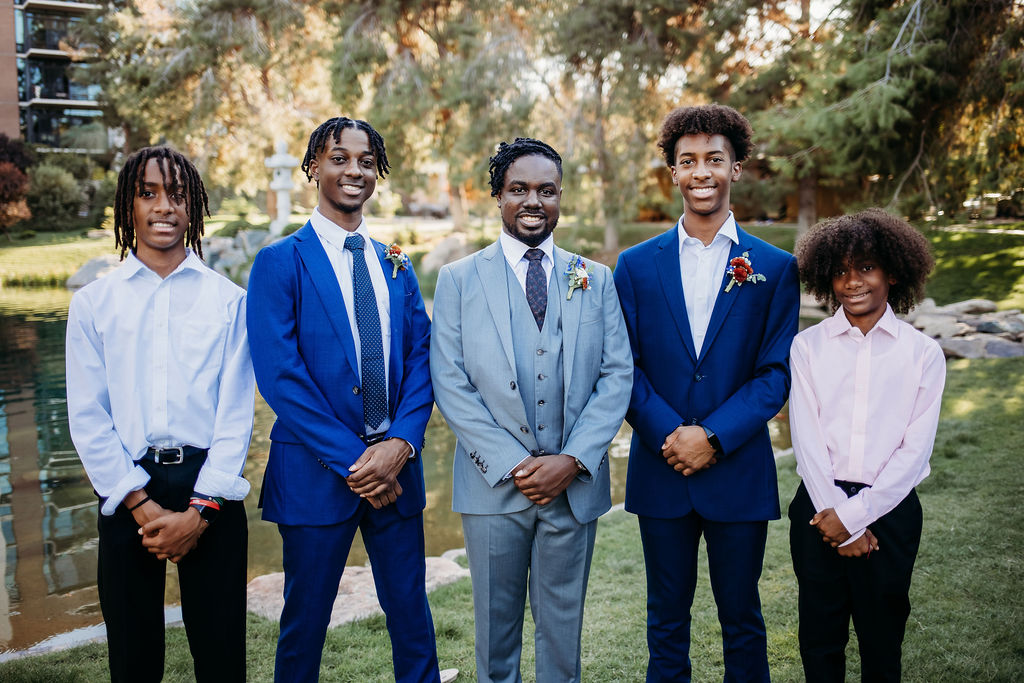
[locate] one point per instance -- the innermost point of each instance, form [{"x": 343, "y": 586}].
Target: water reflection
[{"x": 48, "y": 510}]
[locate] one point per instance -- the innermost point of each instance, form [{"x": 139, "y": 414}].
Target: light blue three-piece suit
[{"x": 508, "y": 390}]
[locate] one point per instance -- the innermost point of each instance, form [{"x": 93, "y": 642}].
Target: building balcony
[
  {"x": 60, "y": 102},
  {"x": 59, "y": 6}
]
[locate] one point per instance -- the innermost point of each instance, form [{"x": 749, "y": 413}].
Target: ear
[
  {"x": 892, "y": 281},
  {"x": 737, "y": 170},
  {"x": 314, "y": 170}
]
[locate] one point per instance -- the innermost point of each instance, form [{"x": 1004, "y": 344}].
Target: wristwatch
[{"x": 712, "y": 439}]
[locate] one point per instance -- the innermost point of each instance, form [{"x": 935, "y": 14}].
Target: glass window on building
[
  {"x": 70, "y": 128},
  {"x": 47, "y": 31}
]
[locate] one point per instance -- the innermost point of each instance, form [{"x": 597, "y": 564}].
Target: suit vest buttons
[
  {"x": 541, "y": 428},
  {"x": 540, "y": 352},
  {"x": 541, "y": 376},
  {"x": 355, "y": 390},
  {"x": 541, "y": 402},
  {"x": 524, "y": 429},
  {"x": 512, "y": 386}
]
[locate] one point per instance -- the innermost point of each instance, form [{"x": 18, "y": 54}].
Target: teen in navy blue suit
[
  {"x": 337, "y": 465},
  {"x": 711, "y": 312}
]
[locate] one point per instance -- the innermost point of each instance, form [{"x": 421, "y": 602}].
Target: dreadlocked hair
[
  {"x": 178, "y": 174},
  {"x": 899, "y": 249},
  {"x": 708, "y": 119},
  {"x": 332, "y": 128},
  {"x": 507, "y": 153}
]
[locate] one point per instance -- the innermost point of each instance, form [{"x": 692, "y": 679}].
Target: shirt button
[
  {"x": 355, "y": 390},
  {"x": 524, "y": 429},
  {"x": 540, "y": 352}
]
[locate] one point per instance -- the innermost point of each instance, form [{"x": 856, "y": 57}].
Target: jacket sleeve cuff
[{"x": 135, "y": 479}]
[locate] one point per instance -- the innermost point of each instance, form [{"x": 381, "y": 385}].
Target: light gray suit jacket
[{"x": 472, "y": 364}]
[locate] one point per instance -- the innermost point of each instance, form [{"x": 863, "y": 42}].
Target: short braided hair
[
  {"x": 507, "y": 153},
  {"x": 179, "y": 174},
  {"x": 332, "y": 128},
  {"x": 901, "y": 251},
  {"x": 707, "y": 119}
]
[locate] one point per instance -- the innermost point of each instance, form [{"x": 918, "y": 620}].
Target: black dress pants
[
  {"x": 873, "y": 590},
  {"x": 212, "y": 578}
]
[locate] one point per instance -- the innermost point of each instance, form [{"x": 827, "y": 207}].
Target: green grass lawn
[{"x": 967, "y": 594}]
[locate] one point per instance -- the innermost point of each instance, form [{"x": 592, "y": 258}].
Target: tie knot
[
  {"x": 533, "y": 255},
  {"x": 354, "y": 242}
]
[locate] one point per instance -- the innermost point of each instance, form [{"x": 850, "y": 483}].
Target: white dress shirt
[
  {"x": 160, "y": 362},
  {"x": 864, "y": 408},
  {"x": 702, "y": 269},
  {"x": 332, "y": 237},
  {"x": 515, "y": 254}
]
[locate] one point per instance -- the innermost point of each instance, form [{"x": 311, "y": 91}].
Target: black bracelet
[{"x": 139, "y": 504}]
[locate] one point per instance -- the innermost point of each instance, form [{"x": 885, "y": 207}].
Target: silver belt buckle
[{"x": 178, "y": 451}]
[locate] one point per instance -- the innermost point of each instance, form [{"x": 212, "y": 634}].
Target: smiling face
[
  {"x": 862, "y": 288},
  {"x": 530, "y": 199},
  {"x": 159, "y": 214},
  {"x": 704, "y": 171},
  {"x": 346, "y": 173}
]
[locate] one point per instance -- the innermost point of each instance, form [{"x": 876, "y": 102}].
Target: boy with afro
[
  {"x": 160, "y": 402},
  {"x": 864, "y": 408}
]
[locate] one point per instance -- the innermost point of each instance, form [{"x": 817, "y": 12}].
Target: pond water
[{"x": 48, "y": 510}]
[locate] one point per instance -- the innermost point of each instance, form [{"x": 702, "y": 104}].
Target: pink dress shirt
[{"x": 864, "y": 408}]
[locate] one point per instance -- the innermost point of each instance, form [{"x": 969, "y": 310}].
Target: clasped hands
[
  {"x": 374, "y": 475},
  {"x": 834, "y": 532},
  {"x": 687, "y": 450},
  {"x": 542, "y": 479},
  {"x": 168, "y": 535}
]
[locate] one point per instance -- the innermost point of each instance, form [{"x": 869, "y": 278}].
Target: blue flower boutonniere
[
  {"x": 397, "y": 258},
  {"x": 740, "y": 270},
  {"x": 578, "y": 274}
]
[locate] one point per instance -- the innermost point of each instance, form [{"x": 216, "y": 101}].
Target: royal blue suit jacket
[
  {"x": 307, "y": 370},
  {"x": 740, "y": 380}
]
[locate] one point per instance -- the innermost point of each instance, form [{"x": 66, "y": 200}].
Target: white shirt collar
[
  {"x": 335, "y": 234},
  {"x": 839, "y": 324},
  {"x": 132, "y": 265},
  {"x": 514, "y": 250},
  {"x": 728, "y": 230}
]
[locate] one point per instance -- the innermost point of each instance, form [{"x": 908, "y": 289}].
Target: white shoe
[{"x": 449, "y": 675}]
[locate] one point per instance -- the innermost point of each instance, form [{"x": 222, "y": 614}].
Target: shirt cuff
[
  {"x": 854, "y": 515},
  {"x": 221, "y": 484},
  {"x": 135, "y": 479},
  {"x": 512, "y": 471}
]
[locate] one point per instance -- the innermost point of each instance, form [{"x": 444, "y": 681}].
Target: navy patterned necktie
[
  {"x": 536, "y": 287},
  {"x": 371, "y": 350}
]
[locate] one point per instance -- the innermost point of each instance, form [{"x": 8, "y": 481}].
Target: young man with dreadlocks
[
  {"x": 532, "y": 371},
  {"x": 711, "y": 311},
  {"x": 339, "y": 341},
  {"x": 160, "y": 402}
]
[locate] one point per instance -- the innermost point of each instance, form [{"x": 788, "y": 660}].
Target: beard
[{"x": 530, "y": 238}]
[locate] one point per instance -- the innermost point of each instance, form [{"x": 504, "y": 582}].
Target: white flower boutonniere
[{"x": 398, "y": 259}]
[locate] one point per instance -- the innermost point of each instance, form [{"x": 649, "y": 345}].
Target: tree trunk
[
  {"x": 808, "y": 207},
  {"x": 457, "y": 206},
  {"x": 602, "y": 215}
]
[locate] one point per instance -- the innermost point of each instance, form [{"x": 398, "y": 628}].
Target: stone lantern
[{"x": 282, "y": 164}]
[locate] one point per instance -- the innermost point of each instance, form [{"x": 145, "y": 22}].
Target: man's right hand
[
  {"x": 863, "y": 546},
  {"x": 386, "y": 498}
]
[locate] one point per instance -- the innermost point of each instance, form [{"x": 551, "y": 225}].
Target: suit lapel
[
  {"x": 491, "y": 269},
  {"x": 325, "y": 282},
  {"x": 571, "y": 313},
  {"x": 396, "y": 297},
  {"x": 667, "y": 263},
  {"x": 725, "y": 300}
]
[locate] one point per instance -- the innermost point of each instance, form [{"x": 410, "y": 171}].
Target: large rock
[
  {"x": 938, "y": 325},
  {"x": 926, "y": 306},
  {"x": 810, "y": 308},
  {"x": 251, "y": 241},
  {"x": 970, "y": 306},
  {"x": 93, "y": 270},
  {"x": 981, "y": 346},
  {"x": 357, "y": 596},
  {"x": 449, "y": 249}
]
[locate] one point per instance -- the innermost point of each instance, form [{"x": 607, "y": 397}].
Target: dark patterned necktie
[
  {"x": 371, "y": 350},
  {"x": 536, "y": 287}
]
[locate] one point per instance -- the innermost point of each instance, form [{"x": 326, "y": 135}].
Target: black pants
[
  {"x": 873, "y": 590},
  {"x": 212, "y": 578}
]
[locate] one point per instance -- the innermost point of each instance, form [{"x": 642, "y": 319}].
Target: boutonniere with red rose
[
  {"x": 740, "y": 270},
  {"x": 397, "y": 258},
  {"x": 578, "y": 274}
]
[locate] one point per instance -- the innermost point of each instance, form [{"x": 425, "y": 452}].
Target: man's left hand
[
  {"x": 687, "y": 450},
  {"x": 543, "y": 479},
  {"x": 174, "y": 535},
  {"x": 376, "y": 471},
  {"x": 830, "y": 527}
]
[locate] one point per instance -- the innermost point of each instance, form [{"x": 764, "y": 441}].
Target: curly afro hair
[
  {"x": 508, "y": 153},
  {"x": 901, "y": 251},
  {"x": 709, "y": 119}
]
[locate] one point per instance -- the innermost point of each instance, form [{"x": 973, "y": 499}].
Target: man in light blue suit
[
  {"x": 531, "y": 369},
  {"x": 711, "y": 312},
  {"x": 339, "y": 340}
]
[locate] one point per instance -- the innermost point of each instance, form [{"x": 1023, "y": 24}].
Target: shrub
[
  {"x": 16, "y": 152},
  {"x": 54, "y": 198},
  {"x": 13, "y": 187}
]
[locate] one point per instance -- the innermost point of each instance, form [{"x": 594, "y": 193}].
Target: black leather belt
[
  {"x": 173, "y": 456},
  {"x": 850, "y": 488}
]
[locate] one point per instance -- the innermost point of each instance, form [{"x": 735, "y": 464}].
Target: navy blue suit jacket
[
  {"x": 740, "y": 380},
  {"x": 307, "y": 370}
]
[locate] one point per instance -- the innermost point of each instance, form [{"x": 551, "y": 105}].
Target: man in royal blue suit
[
  {"x": 711, "y": 312},
  {"x": 340, "y": 342}
]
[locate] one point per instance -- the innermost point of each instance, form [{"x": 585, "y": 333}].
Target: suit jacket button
[
  {"x": 524, "y": 429},
  {"x": 355, "y": 390},
  {"x": 512, "y": 386},
  {"x": 698, "y": 377},
  {"x": 540, "y": 427}
]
